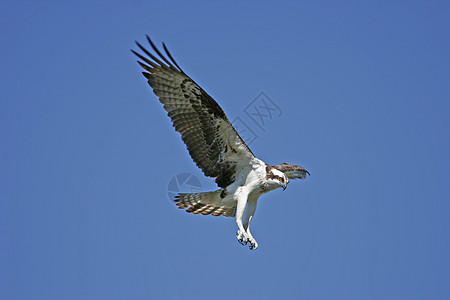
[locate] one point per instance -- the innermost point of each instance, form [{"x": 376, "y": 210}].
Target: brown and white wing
[
  {"x": 292, "y": 171},
  {"x": 213, "y": 143}
]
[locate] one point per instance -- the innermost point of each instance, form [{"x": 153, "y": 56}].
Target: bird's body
[{"x": 215, "y": 146}]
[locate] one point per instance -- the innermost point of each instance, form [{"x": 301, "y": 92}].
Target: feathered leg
[
  {"x": 241, "y": 234},
  {"x": 250, "y": 211}
]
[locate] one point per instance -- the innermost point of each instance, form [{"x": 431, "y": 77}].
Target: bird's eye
[{"x": 281, "y": 179}]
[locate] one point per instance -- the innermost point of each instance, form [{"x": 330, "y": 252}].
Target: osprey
[{"x": 214, "y": 145}]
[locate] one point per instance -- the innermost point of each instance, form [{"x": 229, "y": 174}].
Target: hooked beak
[{"x": 284, "y": 186}]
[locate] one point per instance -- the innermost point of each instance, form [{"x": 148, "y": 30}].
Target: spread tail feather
[{"x": 205, "y": 204}]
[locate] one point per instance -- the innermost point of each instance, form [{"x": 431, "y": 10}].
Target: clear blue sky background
[{"x": 87, "y": 151}]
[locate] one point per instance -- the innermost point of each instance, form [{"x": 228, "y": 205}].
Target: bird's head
[
  {"x": 276, "y": 178},
  {"x": 292, "y": 171}
]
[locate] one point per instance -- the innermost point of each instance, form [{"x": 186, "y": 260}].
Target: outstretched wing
[
  {"x": 292, "y": 171},
  {"x": 213, "y": 143}
]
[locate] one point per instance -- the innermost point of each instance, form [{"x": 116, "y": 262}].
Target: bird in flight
[{"x": 214, "y": 145}]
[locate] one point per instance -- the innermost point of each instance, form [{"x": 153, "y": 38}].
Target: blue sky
[{"x": 87, "y": 152}]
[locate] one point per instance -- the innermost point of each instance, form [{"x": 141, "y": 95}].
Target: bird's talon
[{"x": 242, "y": 237}]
